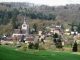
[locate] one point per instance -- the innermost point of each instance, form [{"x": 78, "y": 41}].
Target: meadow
[{"x": 9, "y": 53}]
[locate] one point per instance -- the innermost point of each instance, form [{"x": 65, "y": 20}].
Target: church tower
[{"x": 25, "y": 26}]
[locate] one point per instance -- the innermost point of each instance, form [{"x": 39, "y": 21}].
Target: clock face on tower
[{"x": 23, "y": 25}]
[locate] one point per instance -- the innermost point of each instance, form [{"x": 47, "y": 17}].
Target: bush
[
  {"x": 36, "y": 51},
  {"x": 23, "y": 48},
  {"x": 42, "y": 47},
  {"x": 36, "y": 45},
  {"x": 78, "y": 47},
  {"x": 30, "y": 46},
  {"x": 33, "y": 46}
]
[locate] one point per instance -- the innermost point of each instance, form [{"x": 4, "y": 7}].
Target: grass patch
[
  {"x": 9, "y": 53},
  {"x": 78, "y": 53}
]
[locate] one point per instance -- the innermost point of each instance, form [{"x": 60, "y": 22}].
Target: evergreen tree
[
  {"x": 72, "y": 26},
  {"x": 14, "y": 25},
  {"x": 75, "y": 47},
  {"x": 54, "y": 40},
  {"x": 78, "y": 27},
  {"x": 22, "y": 38},
  {"x": 55, "y": 35}
]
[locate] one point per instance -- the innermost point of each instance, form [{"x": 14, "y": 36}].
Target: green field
[{"x": 9, "y": 53}]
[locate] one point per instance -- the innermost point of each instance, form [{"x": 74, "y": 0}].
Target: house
[
  {"x": 58, "y": 26},
  {"x": 74, "y": 32},
  {"x": 67, "y": 31},
  {"x": 29, "y": 38},
  {"x": 8, "y": 39},
  {"x": 76, "y": 37},
  {"x": 56, "y": 31},
  {"x": 40, "y": 33}
]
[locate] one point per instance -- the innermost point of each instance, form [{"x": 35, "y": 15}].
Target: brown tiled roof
[
  {"x": 29, "y": 38},
  {"x": 19, "y": 31},
  {"x": 7, "y": 38}
]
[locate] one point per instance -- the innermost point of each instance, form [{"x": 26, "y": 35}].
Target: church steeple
[
  {"x": 25, "y": 19},
  {"x": 25, "y": 26}
]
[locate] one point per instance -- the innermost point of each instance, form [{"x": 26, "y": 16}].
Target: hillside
[
  {"x": 64, "y": 13},
  {"x": 41, "y": 15},
  {"x": 9, "y": 53}
]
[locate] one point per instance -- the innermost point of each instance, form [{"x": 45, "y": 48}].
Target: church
[
  {"x": 24, "y": 31},
  {"x": 19, "y": 33}
]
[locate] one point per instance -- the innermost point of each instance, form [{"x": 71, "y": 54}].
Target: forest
[{"x": 11, "y": 17}]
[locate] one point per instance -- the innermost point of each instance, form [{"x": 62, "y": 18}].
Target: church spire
[
  {"x": 25, "y": 26},
  {"x": 25, "y": 19}
]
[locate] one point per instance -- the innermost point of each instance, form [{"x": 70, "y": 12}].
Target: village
[
  {"x": 46, "y": 37},
  {"x": 37, "y": 30}
]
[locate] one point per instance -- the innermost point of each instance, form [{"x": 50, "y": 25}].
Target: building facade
[{"x": 24, "y": 31}]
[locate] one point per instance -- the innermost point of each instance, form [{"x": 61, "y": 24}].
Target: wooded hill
[
  {"x": 12, "y": 14},
  {"x": 65, "y": 13}
]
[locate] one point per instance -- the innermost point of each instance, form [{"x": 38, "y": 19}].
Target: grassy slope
[{"x": 8, "y": 53}]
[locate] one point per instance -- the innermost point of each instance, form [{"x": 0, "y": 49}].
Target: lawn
[{"x": 9, "y": 53}]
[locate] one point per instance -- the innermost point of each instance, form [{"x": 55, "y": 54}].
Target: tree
[
  {"x": 78, "y": 27},
  {"x": 59, "y": 43},
  {"x": 75, "y": 47},
  {"x": 72, "y": 26},
  {"x": 53, "y": 8},
  {"x": 22, "y": 38},
  {"x": 33, "y": 16},
  {"x": 15, "y": 40},
  {"x": 54, "y": 40},
  {"x": 65, "y": 7},
  {"x": 55, "y": 35},
  {"x": 30, "y": 46},
  {"x": 0, "y": 37},
  {"x": 9, "y": 14},
  {"x": 35, "y": 27},
  {"x": 14, "y": 24}
]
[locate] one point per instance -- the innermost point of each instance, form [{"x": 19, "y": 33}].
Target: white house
[
  {"x": 72, "y": 32},
  {"x": 40, "y": 33},
  {"x": 67, "y": 29}
]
